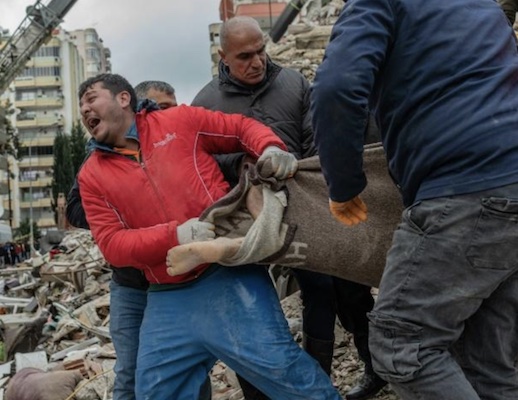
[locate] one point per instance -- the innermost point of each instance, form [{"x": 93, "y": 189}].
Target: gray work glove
[
  {"x": 284, "y": 164},
  {"x": 195, "y": 230}
]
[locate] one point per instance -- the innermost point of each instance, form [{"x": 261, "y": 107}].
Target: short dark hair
[
  {"x": 143, "y": 87},
  {"x": 114, "y": 83}
]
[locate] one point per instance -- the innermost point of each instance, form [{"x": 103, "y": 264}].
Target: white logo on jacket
[{"x": 168, "y": 138}]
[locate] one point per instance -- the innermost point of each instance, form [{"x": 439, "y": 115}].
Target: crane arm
[{"x": 35, "y": 29}]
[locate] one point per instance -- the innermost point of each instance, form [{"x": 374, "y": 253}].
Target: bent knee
[{"x": 394, "y": 346}]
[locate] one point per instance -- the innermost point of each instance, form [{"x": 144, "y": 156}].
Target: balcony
[
  {"x": 41, "y": 161},
  {"x": 3, "y": 188},
  {"x": 40, "y": 203},
  {"x": 215, "y": 28},
  {"x": 44, "y": 62},
  {"x": 41, "y": 81},
  {"x": 214, "y": 55},
  {"x": 37, "y": 183},
  {"x": 43, "y": 102},
  {"x": 43, "y": 140},
  {"x": 39, "y": 122},
  {"x": 46, "y": 222}
]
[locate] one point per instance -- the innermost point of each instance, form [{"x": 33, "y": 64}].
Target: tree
[
  {"x": 24, "y": 230},
  {"x": 9, "y": 146},
  {"x": 64, "y": 175},
  {"x": 77, "y": 146},
  {"x": 12, "y": 143}
]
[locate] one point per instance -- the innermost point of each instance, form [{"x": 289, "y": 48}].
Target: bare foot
[{"x": 181, "y": 259}]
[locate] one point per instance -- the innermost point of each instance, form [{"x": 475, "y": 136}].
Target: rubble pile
[
  {"x": 54, "y": 330},
  {"x": 54, "y": 324},
  {"x": 302, "y": 47},
  {"x": 302, "y": 51}
]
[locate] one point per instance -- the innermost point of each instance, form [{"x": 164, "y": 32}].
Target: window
[
  {"x": 91, "y": 37},
  {"x": 93, "y": 68},
  {"x": 93, "y": 54},
  {"x": 52, "y": 51},
  {"x": 41, "y": 71},
  {"x": 26, "y": 116},
  {"x": 25, "y": 95}
]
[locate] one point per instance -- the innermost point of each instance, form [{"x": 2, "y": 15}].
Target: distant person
[
  {"x": 250, "y": 83},
  {"x": 148, "y": 179},
  {"x": 441, "y": 78},
  {"x": 162, "y": 93},
  {"x": 128, "y": 287},
  {"x": 2, "y": 256},
  {"x": 12, "y": 252},
  {"x": 7, "y": 254}
]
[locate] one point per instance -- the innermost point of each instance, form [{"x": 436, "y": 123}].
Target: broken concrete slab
[{"x": 37, "y": 359}]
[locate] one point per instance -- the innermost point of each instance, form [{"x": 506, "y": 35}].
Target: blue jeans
[
  {"x": 127, "y": 307},
  {"x": 126, "y": 312},
  {"x": 445, "y": 323},
  {"x": 231, "y": 314}
]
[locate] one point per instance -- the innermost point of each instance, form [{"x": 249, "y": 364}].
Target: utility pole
[
  {"x": 31, "y": 219},
  {"x": 10, "y": 205}
]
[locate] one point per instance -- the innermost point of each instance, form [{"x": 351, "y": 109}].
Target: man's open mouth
[{"x": 93, "y": 122}]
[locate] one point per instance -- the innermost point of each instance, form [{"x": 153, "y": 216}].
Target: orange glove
[{"x": 350, "y": 212}]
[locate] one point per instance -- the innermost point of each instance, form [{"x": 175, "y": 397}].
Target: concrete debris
[
  {"x": 303, "y": 46},
  {"x": 54, "y": 321}
]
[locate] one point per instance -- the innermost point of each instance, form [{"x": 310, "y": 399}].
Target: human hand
[
  {"x": 350, "y": 212},
  {"x": 195, "y": 230},
  {"x": 284, "y": 164}
]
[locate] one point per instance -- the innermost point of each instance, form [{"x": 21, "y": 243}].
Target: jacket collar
[{"x": 93, "y": 144}]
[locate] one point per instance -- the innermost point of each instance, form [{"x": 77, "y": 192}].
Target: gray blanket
[{"x": 296, "y": 229}]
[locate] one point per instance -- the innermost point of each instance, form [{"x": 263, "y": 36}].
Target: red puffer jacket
[{"x": 134, "y": 208}]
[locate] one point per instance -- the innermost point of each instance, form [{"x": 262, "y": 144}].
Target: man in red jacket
[
  {"x": 128, "y": 286},
  {"x": 147, "y": 180}
]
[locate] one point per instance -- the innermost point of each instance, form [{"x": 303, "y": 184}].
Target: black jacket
[{"x": 281, "y": 101}]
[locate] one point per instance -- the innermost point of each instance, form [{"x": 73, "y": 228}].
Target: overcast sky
[{"x": 149, "y": 39}]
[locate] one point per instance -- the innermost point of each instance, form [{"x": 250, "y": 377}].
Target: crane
[{"x": 34, "y": 30}]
